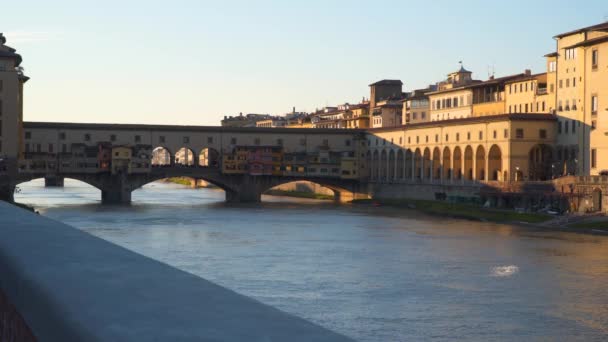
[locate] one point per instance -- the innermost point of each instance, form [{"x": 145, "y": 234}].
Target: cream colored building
[
  {"x": 11, "y": 103},
  {"x": 453, "y": 99},
  {"x": 416, "y": 107}
]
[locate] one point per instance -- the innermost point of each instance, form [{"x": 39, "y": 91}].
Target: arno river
[{"x": 374, "y": 274}]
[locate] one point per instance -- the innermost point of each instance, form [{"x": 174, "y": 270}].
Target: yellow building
[
  {"x": 580, "y": 72},
  {"x": 529, "y": 94},
  {"x": 121, "y": 159},
  {"x": 508, "y": 147}
]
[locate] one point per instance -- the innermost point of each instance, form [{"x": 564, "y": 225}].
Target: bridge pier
[
  {"x": 53, "y": 181},
  {"x": 116, "y": 190}
]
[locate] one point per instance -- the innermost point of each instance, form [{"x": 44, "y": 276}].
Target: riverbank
[
  {"x": 458, "y": 210},
  {"x": 299, "y": 194},
  {"x": 594, "y": 225}
]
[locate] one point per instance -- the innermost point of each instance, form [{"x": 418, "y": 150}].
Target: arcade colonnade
[{"x": 441, "y": 163}]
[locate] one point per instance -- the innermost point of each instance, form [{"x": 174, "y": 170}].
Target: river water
[{"x": 374, "y": 274}]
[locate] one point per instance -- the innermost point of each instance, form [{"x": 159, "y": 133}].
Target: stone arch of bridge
[{"x": 343, "y": 191}]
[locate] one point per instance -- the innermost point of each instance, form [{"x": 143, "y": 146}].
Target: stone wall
[
  {"x": 12, "y": 326},
  {"x": 71, "y": 286}
]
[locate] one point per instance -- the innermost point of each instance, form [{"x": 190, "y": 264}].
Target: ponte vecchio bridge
[{"x": 245, "y": 162}]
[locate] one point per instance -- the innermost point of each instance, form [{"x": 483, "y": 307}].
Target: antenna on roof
[{"x": 491, "y": 71}]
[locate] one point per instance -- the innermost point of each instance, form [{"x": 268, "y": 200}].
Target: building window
[
  {"x": 519, "y": 133},
  {"x": 138, "y": 138},
  {"x": 186, "y": 140},
  {"x": 28, "y": 135},
  {"x": 593, "y": 158},
  {"x": 566, "y": 124},
  {"x": 51, "y": 148},
  {"x": 256, "y": 141},
  {"x": 400, "y": 140},
  {"x": 594, "y": 59},
  {"x": 326, "y": 142},
  {"x": 457, "y": 136},
  {"x": 436, "y": 137},
  {"x": 447, "y": 137},
  {"x": 506, "y": 133},
  {"x": 161, "y": 139},
  {"x": 509, "y": 109},
  {"x": 480, "y": 135},
  {"x": 593, "y": 124},
  {"x": 87, "y": 137},
  {"x": 542, "y": 133},
  {"x": 468, "y": 135},
  {"x": 551, "y": 87},
  {"x": 62, "y": 136},
  {"x": 209, "y": 140},
  {"x": 567, "y": 83},
  {"x": 423, "y": 115},
  {"x": 526, "y": 108},
  {"x": 280, "y": 142},
  {"x": 417, "y": 139},
  {"x": 113, "y": 137},
  {"x": 233, "y": 141},
  {"x": 409, "y": 141},
  {"x": 303, "y": 142},
  {"x": 573, "y": 127},
  {"x": 494, "y": 134},
  {"x": 427, "y": 138},
  {"x": 573, "y": 81},
  {"x": 594, "y": 105},
  {"x": 561, "y": 84}
]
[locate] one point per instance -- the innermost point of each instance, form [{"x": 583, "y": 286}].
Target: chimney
[{"x": 528, "y": 72}]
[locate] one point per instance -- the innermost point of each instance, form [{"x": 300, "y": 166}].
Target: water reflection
[{"x": 376, "y": 274}]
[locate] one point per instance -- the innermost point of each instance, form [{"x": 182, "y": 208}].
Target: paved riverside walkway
[{"x": 71, "y": 286}]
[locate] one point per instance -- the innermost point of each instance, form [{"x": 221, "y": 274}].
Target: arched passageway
[
  {"x": 495, "y": 163},
  {"x": 436, "y": 163},
  {"x": 447, "y": 166},
  {"x": 409, "y": 164},
  {"x": 426, "y": 160},
  {"x": 418, "y": 167},
  {"x": 375, "y": 166},
  {"x": 161, "y": 157},
  {"x": 383, "y": 166},
  {"x": 185, "y": 157},
  {"x": 480, "y": 163},
  {"x": 209, "y": 157},
  {"x": 400, "y": 165},
  {"x": 391, "y": 166},
  {"x": 457, "y": 163},
  {"x": 540, "y": 158},
  {"x": 468, "y": 163}
]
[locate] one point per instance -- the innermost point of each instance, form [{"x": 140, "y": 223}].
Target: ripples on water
[{"x": 375, "y": 274}]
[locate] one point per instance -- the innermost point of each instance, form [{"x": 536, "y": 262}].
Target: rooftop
[
  {"x": 599, "y": 27},
  {"x": 387, "y": 82}
]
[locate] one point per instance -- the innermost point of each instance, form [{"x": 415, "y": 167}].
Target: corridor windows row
[{"x": 561, "y": 108}]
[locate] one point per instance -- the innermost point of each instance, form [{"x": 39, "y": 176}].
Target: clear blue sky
[{"x": 192, "y": 62}]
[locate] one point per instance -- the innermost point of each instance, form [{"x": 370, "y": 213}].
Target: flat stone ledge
[{"x": 71, "y": 286}]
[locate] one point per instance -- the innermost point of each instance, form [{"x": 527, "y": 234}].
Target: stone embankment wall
[{"x": 68, "y": 285}]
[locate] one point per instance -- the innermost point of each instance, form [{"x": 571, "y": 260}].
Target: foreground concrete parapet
[{"x": 71, "y": 286}]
